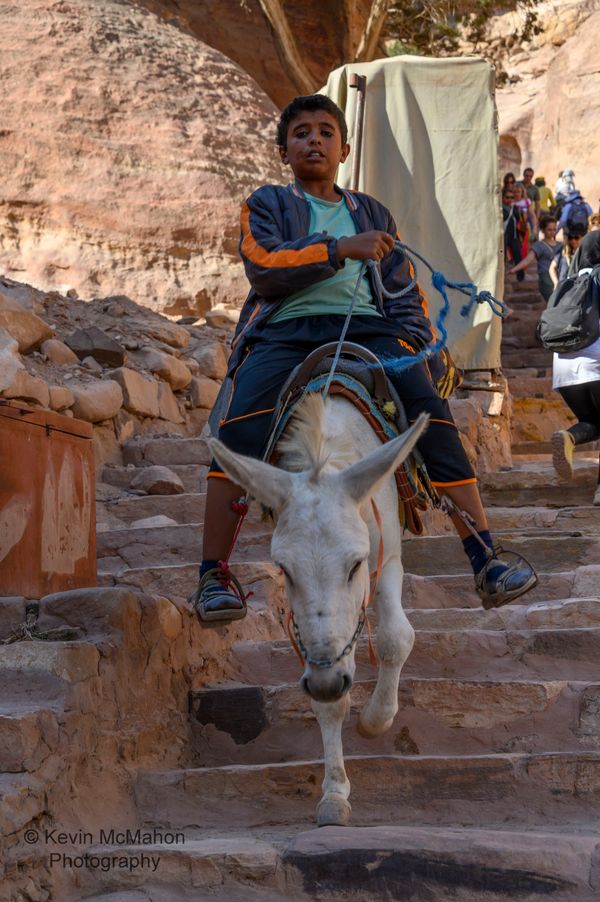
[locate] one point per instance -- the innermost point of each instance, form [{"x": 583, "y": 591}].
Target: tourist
[
  {"x": 527, "y": 225},
  {"x": 303, "y": 247},
  {"x": 576, "y": 377},
  {"x": 532, "y": 191},
  {"x": 544, "y": 252},
  {"x": 512, "y": 242},
  {"x": 509, "y": 182},
  {"x": 575, "y": 214},
  {"x": 559, "y": 268},
  {"x": 547, "y": 201}
]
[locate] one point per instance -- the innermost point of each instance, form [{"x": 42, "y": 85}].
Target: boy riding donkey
[{"x": 303, "y": 246}]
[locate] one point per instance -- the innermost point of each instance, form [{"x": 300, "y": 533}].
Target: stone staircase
[{"x": 487, "y": 787}]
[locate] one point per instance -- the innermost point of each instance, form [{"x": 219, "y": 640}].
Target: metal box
[{"x": 47, "y": 502}]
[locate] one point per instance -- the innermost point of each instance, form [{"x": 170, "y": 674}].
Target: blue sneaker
[{"x": 499, "y": 583}]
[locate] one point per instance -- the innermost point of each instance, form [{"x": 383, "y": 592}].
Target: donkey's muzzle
[{"x": 326, "y": 685}]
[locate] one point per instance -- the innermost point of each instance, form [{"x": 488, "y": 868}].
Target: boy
[{"x": 302, "y": 246}]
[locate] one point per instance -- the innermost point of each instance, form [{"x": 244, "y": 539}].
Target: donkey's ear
[
  {"x": 362, "y": 478},
  {"x": 270, "y": 486}
]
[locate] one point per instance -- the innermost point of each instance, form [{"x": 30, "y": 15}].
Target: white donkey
[{"x": 326, "y": 541}]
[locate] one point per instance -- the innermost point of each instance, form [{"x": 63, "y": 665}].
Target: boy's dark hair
[
  {"x": 310, "y": 102},
  {"x": 546, "y": 219}
]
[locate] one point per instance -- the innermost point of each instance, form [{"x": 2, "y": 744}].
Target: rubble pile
[{"x": 111, "y": 362}]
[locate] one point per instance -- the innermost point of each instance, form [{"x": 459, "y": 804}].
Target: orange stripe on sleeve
[
  {"x": 314, "y": 253},
  {"x": 448, "y": 485}
]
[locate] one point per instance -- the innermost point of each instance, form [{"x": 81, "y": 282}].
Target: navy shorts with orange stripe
[{"x": 281, "y": 346}]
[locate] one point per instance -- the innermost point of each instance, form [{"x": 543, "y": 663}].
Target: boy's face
[{"x": 314, "y": 146}]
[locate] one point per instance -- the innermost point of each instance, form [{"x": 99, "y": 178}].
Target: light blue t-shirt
[{"x": 332, "y": 295}]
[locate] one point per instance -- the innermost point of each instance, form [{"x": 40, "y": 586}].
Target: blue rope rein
[{"x": 440, "y": 283}]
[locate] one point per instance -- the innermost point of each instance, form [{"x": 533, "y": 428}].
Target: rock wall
[
  {"x": 550, "y": 112},
  {"x": 127, "y": 147},
  {"x": 110, "y": 362}
]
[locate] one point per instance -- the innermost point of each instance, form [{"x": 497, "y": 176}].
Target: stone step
[
  {"x": 135, "y": 547},
  {"x": 28, "y": 734},
  {"x": 68, "y": 662},
  {"x": 526, "y": 372},
  {"x": 121, "y": 549},
  {"x": 531, "y": 387},
  {"x": 532, "y": 483},
  {"x": 257, "y": 725},
  {"x": 360, "y": 863},
  {"x": 514, "y": 357},
  {"x": 193, "y": 476},
  {"x": 583, "y": 517},
  {"x": 557, "y": 789},
  {"x": 535, "y": 419},
  {"x": 167, "y": 451},
  {"x": 529, "y": 449},
  {"x": 448, "y": 590},
  {"x": 568, "y": 653},
  {"x": 22, "y": 800}
]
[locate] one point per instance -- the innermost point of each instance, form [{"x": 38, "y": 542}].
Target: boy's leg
[
  {"x": 451, "y": 473},
  {"x": 257, "y": 384}
]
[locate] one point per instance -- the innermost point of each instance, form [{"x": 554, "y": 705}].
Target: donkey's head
[{"x": 321, "y": 542}]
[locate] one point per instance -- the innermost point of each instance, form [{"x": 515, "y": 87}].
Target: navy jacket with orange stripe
[{"x": 281, "y": 257}]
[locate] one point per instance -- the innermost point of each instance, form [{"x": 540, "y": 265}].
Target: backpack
[
  {"x": 577, "y": 220},
  {"x": 571, "y": 320}
]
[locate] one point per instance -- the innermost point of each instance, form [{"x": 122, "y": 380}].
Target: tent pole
[{"x": 360, "y": 83}]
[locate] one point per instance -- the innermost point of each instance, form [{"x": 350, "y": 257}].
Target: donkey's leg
[
  {"x": 395, "y": 638},
  {"x": 334, "y": 807}
]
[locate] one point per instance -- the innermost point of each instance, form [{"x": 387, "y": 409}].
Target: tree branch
[
  {"x": 370, "y": 37},
  {"x": 302, "y": 79}
]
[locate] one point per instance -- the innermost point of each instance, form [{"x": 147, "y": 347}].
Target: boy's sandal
[
  {"x": 219, "y": 597},
  {"x": 518, "y": 577}
]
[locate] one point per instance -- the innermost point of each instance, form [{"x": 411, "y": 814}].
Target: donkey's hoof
[{"x": 334, "y": 811}]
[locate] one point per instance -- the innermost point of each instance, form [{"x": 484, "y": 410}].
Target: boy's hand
[{"x": 373, "y": 245}]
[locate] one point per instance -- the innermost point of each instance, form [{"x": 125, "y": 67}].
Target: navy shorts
[{"x": 282, "y": 346}]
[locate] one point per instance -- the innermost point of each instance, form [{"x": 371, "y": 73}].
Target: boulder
[
  {"x": 140, "y": 394},
  {"x": 212, "y": 359},
  {"x": 10, "y": 360},
  {"x": 28, "y": 388},
  {"x": 204, "y": 392},
  {"x": 157, "y": 481},
  {"x": 167, "y": 404},
  {"x": 96, "y": 401},
  {"x": 153, "y": 522},
  {"x": 144, "y": 202},
  {"x": 27, "y": 328},
  {"x": 166, "y": 366},
  {"x": 92, "y": 365},
  {"x": 93, "y": 342},
  {"x": 60, "y": 397},
  {"x": 58, "y": 352}
]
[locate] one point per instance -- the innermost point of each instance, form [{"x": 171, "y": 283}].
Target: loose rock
[
  {"x": 97, "y": 401},
  {"x": 167, "y": 404},
  {"x": 204, "y": 392},
  {"x": 10, "y": 360},
  {"x": 157, "y": 481},
  {"x": 60, "y": 397},
  {"x": 28, "y": 388},
  {"x": 166, "y": 366},
  {"x": 58, "y": 352},
  {"x": 93, "y": 342},
  {"x": 212, "y": 360},
  {"x": 27, "y": 328},
  {"x": 140, "y": 395}
]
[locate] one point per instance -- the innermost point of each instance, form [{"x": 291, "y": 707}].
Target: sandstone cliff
[
  {"x": 126, "y": 148},
  {"x": 550, "y": 113}
]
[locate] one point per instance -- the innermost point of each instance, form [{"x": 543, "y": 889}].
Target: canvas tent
[{"x": 430, "y": 154}]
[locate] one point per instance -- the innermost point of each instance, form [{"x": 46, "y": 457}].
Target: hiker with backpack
[
  {"x": 544, "y": 252},
  {"x": 576, "y": 373},
  {"x": 575, "y": 214},
  {"x": 559, "y": 268}
]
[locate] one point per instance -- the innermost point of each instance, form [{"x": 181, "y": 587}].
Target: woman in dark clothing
[{"x": 576, "y": 377}]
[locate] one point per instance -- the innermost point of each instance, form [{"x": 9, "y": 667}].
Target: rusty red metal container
[{"x": 47, "y": 502}]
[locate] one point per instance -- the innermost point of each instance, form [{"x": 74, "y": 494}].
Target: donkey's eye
[{"x": 354, "y": 570}]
